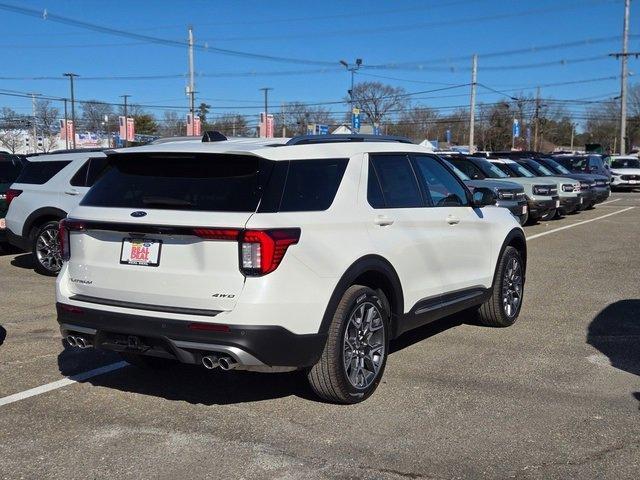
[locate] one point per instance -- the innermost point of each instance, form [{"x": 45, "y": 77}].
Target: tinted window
[
  {"x": 461, "y": 175},
  {"x": 97, "y": 167},
  {"x": 374, "y": 190},
  {"x": 38, "y": 173},
  {"x": 443, "y": 188},
  {"x": 9, "y": 171},
  {"x": 80, "y": 178},
  {"x": 625, "y": 163},
  {"x": 205, "y": 182},
  {"x": 399, "y": 185},
  {"x": 538, "y": 168},
  {"x": 311, "y": 185}
]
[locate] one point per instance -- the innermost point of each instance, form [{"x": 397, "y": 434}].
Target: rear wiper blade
[{"x": 172, "y": 202}]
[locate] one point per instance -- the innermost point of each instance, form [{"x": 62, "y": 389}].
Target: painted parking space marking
[
  {"x": 538, "y": 235},
  {"x": 611, "y": 201},
  {"x": 80, "y": 377}
]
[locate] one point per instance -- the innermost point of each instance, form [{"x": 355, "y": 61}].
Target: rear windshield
[
  {"x": 9, "y": 171},
  {"x": 204, "y": 182},
  {"x": 38, "y": 173}
]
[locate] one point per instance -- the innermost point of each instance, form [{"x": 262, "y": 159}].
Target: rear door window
[
  {"x": 185, "y": 181},
  {"x": 311, "y": 185},
  {"x": 398, "y": 181},
  {"x": 9, "y": 171},
  {"x": 39, "y": 173}
]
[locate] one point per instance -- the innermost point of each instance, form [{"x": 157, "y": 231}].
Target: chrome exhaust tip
[
  {"x": 82, "y": 342},
  {"x": 71, "y": 340},
  {"x": 227, "y": 363},
  {"x": 210, "y": 362}
]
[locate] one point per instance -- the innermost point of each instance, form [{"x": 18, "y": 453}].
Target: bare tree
[
  {"x": 417, "y": 123},
  {"x": 12, "y": 140},
  {"x": 47, "y": 124},
  {"x": 93, "y": 113},
  {"x": 12, "y": 128},
  {"x": 377, "y": 100},
  {"x": 298, "y": 115},
  {"x": 231, "y": 124},
  {"x": 172, "y": 124}
]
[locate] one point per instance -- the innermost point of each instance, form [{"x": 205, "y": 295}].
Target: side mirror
[{"x": 484, "y": 196}]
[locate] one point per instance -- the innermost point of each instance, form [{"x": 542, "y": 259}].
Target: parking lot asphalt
[{"x": 555, "y": 396}]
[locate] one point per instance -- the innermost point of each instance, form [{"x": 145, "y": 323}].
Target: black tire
[
  {"x": 48, "y": 263},
  {"x": 493, "y": 313},
  {"x": 146, "y": 362},
  {"x": 328, "y": 378},
  {"x": 550, "y": 215}
]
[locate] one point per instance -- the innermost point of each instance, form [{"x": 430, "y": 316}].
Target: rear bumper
[
  {"x": 17, "y": 241},
  {"x": 250, "y": 345}
]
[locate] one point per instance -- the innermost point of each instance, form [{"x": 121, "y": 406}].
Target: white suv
[
  {"x": 311, "y": 255},
  {"x": 48, "y": 187}
]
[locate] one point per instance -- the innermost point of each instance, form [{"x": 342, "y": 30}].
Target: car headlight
[{"x": 567, "y": 187}]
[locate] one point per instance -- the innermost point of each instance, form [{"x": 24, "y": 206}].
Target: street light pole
[
  {"x": 33, "y": 112},
  {"x": 66, "y": 130},
  {"x": 73, "y": 107},
  {"x": 266, "y": 109},
  {"x": 351, "y": 68}
]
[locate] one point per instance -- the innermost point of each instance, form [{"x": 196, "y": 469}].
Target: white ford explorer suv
[{"x": 310, "y": 254}]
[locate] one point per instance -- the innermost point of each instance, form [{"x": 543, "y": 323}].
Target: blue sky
[{"x": 411, "y": 39}]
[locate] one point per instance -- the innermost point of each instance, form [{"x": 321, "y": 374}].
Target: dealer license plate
[{"x": 141, "y": 251}]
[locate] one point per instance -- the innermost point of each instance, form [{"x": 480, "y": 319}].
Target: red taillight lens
[
  {"x": 11, "y": 194},
  {"x": 64, "y": 227},
  {"x": 261, "y": 251},
  {"x": 230, "y": 234}
]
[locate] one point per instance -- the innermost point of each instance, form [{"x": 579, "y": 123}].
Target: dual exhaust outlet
[
  {"x": 78, "y": 341},
  {"x": 225, "y": 363}
]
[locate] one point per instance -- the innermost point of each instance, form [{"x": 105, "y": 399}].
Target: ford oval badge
[{"x": 138, "y": 214}]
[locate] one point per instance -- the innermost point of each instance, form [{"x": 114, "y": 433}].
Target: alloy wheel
[
  {"x": 48, "y": 250},
  {"x": 512, "y": 287},
  {"x": 364, "y": 345}
]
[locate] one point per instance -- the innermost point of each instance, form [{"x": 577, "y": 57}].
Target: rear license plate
[
  {"x": 524, "y": 210},
  {"x": 141, "y": 251},
  {"x": 557, "y": 203}
]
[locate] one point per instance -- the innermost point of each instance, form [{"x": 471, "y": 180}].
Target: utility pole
[
  {"x": 266, "y": 109},
  {"x": 284, "y": 126},
  {"x": 73, "y": 107},
  {"x": 536, "y": 121},
  {"x": 126, "y": 127},
  {"x": 573, "y": 127},
  {"x": 66, "y": 132},
  {"x": 33, "y": 113},
  {"x": 192, "y": 86},
  {"x": 624, "y": 55},
  {"x": 472, "y": 110}
]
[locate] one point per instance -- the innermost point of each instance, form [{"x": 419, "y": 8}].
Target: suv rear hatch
[{"x": 159, "y": 231}]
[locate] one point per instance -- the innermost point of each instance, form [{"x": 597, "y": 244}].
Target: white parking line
[
  {"x": 80, "y": 377},
  {"x": 611, "y": 201},
  {"x": 538, "y": 235}
]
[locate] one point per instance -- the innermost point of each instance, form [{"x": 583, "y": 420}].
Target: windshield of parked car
[
  {"x": 521, "y": 170},
  {"x": 539, "y": 168},
  {"x": 457, "y": 171},
  {"x": 556, "y": 166},
  {"x": 625, "y": 163},
  {"x": 489, "y": 169}
]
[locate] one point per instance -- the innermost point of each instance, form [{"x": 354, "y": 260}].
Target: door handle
[
  {"x": 451, "y": 220},
  {"x": 73, "y": 191},
  {"x": 383, "y": 220}
]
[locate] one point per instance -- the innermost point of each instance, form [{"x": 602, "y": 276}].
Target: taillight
[
  {"x": 261, "y": 251},
  {"x": 10, "y": 195},
  {"x": 229, "y": 234},
  {"x": 64, "y": 227}
]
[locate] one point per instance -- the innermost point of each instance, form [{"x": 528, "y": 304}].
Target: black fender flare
[
  {"x": 39, "y": 213},
  {"x": 373, "y": 264}
]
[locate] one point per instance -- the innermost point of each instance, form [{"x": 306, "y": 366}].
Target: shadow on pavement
[
  {"x": 615, "y": 332},
  {"x": 3, "y": 334},
  {"x": 194, "y": 384},
  {"x": 23, "y": 261}
]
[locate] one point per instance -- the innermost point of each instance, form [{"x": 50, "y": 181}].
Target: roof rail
[
  {"x": 213, "y": 136},
  {"x": 338, "y": 138},
  {"x": 72, "y": 150}
]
